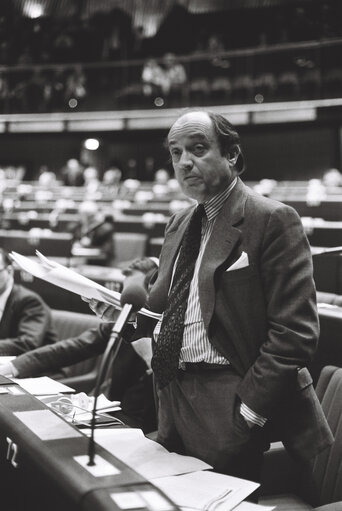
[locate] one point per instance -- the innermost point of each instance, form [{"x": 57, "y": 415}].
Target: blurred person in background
[
  {"x": 25, "y": 319},
  {"x": 76, "y": 87},
  {"x": 95, "y": 230},
  {"x": 332, "y": 178},
  {"x": 72, "y": 173},
  {"x": 46, "y": 177},
  {"x": 153, "y": 78},
  {"x": 91, "y": 179}
]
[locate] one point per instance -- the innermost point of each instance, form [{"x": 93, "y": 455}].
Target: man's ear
[{"x": 233, "y": 155}]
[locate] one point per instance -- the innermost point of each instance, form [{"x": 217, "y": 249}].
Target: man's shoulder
[
  {"x": 261, "y": 203},
  {"x": 20, "y": 293}
]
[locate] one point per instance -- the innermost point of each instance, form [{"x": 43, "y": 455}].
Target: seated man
[
  {"x": 131, "y": 382},
  {"x": 25, "y": 319}
]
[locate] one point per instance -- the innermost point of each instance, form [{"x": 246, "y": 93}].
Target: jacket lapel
[
  {"x": 220, "y": 246},
  {"x": 171, "y": 245}
]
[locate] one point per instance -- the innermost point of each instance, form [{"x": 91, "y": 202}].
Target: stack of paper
[
  {"x": 206, "y": 491},
  {"x": 64, "y": 277},
  {"x": 42, "y": 386}
]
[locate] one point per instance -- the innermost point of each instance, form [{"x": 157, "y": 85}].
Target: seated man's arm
[{"x": 53, "y": 357}]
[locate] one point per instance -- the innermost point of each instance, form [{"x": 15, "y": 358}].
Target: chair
[
  {"x": 80, "y": 376},
  {"x": 321, "y": 485},
  {"x": 129, "y": 245}
]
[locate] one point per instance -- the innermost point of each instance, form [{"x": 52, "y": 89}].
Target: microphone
[{"x": 133, "y": 298}]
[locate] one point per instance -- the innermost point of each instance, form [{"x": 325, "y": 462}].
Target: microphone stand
[
  {"x": 114, "y": 344},
  {"x": 332, "y": 250}
]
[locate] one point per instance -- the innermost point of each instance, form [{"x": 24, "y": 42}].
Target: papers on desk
[
  {"x": 147, "y": 457},
  {"x": 80, "y": 407},
  {"x": 207, "y": 491},
  {"x": 64, "y": 277},
  {"x": 42, "y": 386},
  {"x": 5, "y": 359},
  {"x": 184, "y": 479}
]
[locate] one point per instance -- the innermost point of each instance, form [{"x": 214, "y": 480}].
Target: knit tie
[{"x": 165, "y": 359}]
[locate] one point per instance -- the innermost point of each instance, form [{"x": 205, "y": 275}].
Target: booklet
[{"x": 61, "y": 276}]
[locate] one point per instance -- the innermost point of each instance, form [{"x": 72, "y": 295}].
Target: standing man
[
  {"x": 25, "y": 319},
  {"x": 236, "y": 291}
]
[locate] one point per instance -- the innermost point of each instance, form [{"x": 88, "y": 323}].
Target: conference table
[
  {"x": 43, "y": 461},
  {"x": 44, "y": 465}
]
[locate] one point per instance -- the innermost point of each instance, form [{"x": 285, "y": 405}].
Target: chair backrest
[
  {"x": 327, "y": 469},
  {"x": 70, "y": 324},
  {"x": 80, "y": 376},
  {"x": 329, "y": 350},
  {"x": 129, "y": 245}
]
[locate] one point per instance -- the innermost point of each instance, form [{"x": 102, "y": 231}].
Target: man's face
[
  {"x": 200, "y": 168},
  {"x": 5, "y": 275}
]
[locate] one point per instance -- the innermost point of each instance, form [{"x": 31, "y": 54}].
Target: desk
[
  {"x": 50, "y": 244},
  {"x": 42, "y": 474}
]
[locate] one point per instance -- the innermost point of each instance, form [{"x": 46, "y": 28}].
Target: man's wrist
[{"x": 252, "y": 418}]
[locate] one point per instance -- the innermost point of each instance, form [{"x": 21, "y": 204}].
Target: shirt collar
[
  {"x": 213, "y": 205},
  {"x": 4, "y": 296}
]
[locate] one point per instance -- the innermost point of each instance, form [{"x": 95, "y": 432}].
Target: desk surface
[{"x": 48, "y": 473}]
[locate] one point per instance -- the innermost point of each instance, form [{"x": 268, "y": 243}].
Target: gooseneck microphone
[{"x": 133, "y": 298}]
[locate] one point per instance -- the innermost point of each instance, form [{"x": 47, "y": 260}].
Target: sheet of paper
[
  {"x": 64, "y": 277},
  {"x": 47, "y": 425},
  {"x": 206, "y": 490},
  {"x": 5, "y": 359},
  {"x": 42, "y": 386},
  {"x": 147, "y": 457}
]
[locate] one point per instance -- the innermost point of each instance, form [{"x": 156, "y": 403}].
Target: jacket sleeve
[
  {"x": 33, "y": 321},
  {"x": 292, "y": 319},
  {"x": 63, "y": 353}
]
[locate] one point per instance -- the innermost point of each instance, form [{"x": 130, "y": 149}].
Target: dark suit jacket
[
  {"x": 263, "y": 317},
  {"x": 26, "y": 322}
]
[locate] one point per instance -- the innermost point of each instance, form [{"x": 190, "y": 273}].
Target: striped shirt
[{"x": 196, "y": 346}]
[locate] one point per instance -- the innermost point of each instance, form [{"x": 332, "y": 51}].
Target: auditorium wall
[{"x": 282, "y": 151}]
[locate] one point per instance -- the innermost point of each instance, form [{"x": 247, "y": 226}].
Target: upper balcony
[{"x": 275, "y": 83}]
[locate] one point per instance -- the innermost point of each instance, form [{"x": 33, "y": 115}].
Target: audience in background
[{"x": 25, "y": 318}]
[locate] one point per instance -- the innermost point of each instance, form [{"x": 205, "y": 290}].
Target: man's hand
[
  {"x": 8, "y": 369},
  {"x": 105, "y": 312}
]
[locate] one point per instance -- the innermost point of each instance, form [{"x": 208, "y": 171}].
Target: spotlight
[{"x": 91, "y": 144}]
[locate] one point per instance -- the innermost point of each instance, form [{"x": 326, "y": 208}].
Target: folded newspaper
[{"x": 64, "y": 277}]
